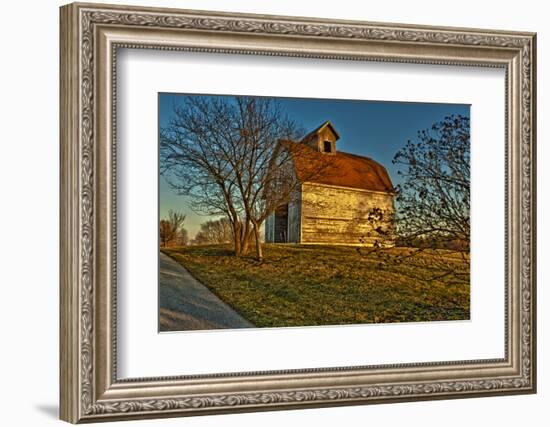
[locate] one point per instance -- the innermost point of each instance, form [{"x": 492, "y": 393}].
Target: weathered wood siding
[
  {"x": 269, "y": 229},
  {"x": 334, "y": 215},
  {"x": 295, "y": 218}
]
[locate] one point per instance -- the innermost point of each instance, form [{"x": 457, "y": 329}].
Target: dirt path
[{"x": 186, "y": 304}]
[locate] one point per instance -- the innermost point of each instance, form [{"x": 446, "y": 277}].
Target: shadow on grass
[
  {"x": 206, "y": 251},
  {"x": 216, "y": 252}
]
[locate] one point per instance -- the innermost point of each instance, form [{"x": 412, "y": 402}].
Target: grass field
[{"x": 300, "y": 285}]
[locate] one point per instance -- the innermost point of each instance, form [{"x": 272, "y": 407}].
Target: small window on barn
[{"x": 327, "y": 147}]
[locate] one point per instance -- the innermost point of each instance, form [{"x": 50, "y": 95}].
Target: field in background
[{"x": 300, "y": 285}]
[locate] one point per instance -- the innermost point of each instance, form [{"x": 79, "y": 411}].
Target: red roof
[{"x": 339, "y": 169}]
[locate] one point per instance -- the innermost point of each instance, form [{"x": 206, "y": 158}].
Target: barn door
[{"x": 281, "y": 224}]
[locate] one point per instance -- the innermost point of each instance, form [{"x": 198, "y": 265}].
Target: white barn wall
[{"x": 338, "y": 215}]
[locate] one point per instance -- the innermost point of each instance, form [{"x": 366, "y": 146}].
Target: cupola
[{"x": 322, "y": 139}]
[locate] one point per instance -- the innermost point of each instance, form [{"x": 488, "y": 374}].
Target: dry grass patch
[{"x": 301, "y": 285}]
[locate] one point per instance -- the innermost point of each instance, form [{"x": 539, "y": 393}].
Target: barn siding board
[
  {"x": 269, "y": 231},
  {"x": 294, "y": 218}
]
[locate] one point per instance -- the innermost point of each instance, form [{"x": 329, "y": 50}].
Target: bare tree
[
  {"x": 434, "y": 197},
  {"x": 226, "y": 154},
  {"x": 433, "y": 200},
  {"x": 382, "y": 228},
  {"x": 165, "y": 232},
  {"x": 192, "y": 164},
  {"x": 170, "y": 227}
]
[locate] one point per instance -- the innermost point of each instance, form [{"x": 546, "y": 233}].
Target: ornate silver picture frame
[{"x": 91, "y": 390}]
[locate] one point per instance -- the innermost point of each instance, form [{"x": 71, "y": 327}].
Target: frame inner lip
[{"x": 341, "y": 370}]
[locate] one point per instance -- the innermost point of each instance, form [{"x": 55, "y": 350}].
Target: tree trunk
[
  {"x": 245, "y": 238},
  {"x": 259, "y": 254},
  {"x": 237, "y": 238}
]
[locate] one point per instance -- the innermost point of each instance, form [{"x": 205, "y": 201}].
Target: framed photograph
[{"x": 266, "y": 212}]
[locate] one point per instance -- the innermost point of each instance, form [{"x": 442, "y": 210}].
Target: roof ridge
[
  {"x": 356, "y": 155},
  {"x": 361, "y": 156}
]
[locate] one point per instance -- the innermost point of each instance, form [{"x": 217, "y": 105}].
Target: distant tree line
[
  {"x": 214, "y": 232},
  {"x": 172, "y": 231}
]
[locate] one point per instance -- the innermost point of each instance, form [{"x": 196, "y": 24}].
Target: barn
[{"x": 340, "y": 199}]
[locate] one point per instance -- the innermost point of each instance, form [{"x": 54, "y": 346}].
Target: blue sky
[{"x": 375, "y": 129}]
